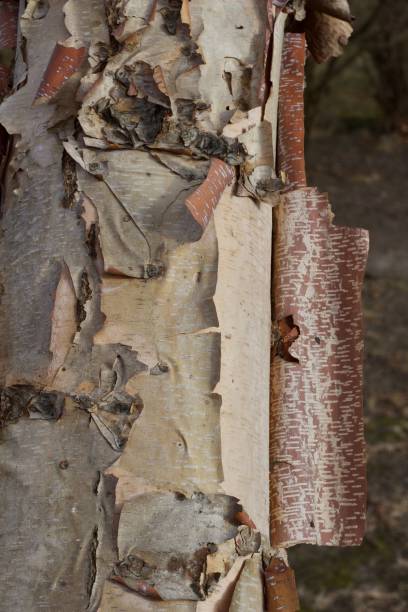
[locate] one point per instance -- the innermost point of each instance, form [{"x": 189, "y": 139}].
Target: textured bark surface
[
  {"x": 291, "y": 155},
  {"x": 128, "y": 312},
  {"x": 318, "y": 482},
  {"x": 280, "y": 584},
  {"x": 318, "y": 491},
  {"x": 136, "y": 313}
]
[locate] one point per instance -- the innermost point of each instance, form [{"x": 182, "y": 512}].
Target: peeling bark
[
  {"x": 281, "y": 591},
  {"x": 318, "y": 483},
  {"x": 135, "y": 310},
  {"x": 318, "y": 473}
]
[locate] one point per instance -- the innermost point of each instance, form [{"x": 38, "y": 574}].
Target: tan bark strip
[
  {"x": 64, "y": 63},
  {"x": 203, "y": 200},
  {"x": 291, "y": 156},
  {"x": 188, "y": 453},
  {"x": 244, "y": 232},
  {"x": 170, "y": 431},
  {"x": 271, "y": 107},
  {"x": 264, "y": 89},
  {"x": 248, "y": 592},
  {"x": 318, "y": 483},
  {"x": 281, "y": 593}
]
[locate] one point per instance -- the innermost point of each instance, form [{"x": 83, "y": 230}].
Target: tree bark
[
  {"x": 140, "y": 177},
  {"x": 128, "y": 306}
]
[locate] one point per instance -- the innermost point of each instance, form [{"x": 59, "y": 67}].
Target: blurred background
[{"x": 357, "y": 151}]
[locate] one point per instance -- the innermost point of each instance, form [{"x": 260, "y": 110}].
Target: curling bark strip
[
  {"x": 203, "y": 200},
  {"x": 280, "y": 586},
  {"x": 318, "y": 481},
  {"x": 65, "y": 62},
  {"x": 291, "y": 153}
]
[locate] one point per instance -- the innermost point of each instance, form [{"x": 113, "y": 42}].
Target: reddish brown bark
[{"x": 291, "y": 154}]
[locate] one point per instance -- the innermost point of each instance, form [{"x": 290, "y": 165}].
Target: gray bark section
[{"x": 56, "y": 511}]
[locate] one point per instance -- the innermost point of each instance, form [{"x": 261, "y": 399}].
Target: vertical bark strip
[
  {"x": 318, "y": 472},
  {"x": 281, "y": 591},
  {"x": 318, "y": 486},
  {"x": 291, "y": 156}
]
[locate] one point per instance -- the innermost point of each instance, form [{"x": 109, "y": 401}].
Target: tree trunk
[{"x": 138, "y": 188}]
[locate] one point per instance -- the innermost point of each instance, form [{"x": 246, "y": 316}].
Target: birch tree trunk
[{"x": 139, "y": 178}]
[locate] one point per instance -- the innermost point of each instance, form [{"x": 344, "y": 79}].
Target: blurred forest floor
[{"x": 357, "y": 151}]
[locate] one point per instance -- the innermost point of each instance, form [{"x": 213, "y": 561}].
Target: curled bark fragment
[
  {"x": 126, "y": 18},
  {"x": 284, "y": 334},
  {"x": 326, "y": 35},
  {"x": 281, "y": 593},
  {"x": 209, "y": 145},
  {"x": 114, "y": 415},
  {"x": 64, "y": 321},
  {"x": 336, "y": 8},
  {"x": 204, "y": 199},
  {"x": 36, "y": 9},
  {"x": 64, "y": 63},
  {"x": 270, "y": 107},
  {"x": 23, "y": 400},
  {"x": 318, "y": 483}
]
